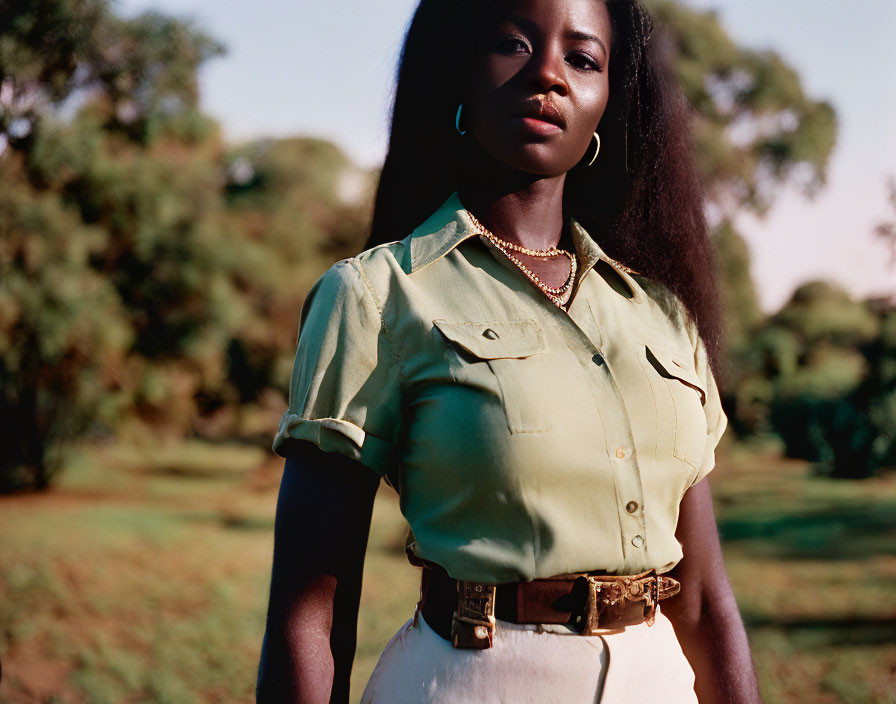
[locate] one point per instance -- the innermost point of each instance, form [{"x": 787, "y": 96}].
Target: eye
[
  {"x": 512, "y": 45},
  {"x": 583, "y": 61}
]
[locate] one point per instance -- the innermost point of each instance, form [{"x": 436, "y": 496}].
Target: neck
[{"x": 521, "y": 208}]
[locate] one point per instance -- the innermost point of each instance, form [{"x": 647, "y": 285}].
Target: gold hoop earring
[
  {"x": 457, "y": 121},
  {"x": 596, "y": 149}
]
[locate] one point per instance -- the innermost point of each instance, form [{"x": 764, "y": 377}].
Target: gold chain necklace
[{"x": 559, "y": 295}]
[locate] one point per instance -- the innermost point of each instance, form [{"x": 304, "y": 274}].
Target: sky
[{"x": 327, "y": 70}]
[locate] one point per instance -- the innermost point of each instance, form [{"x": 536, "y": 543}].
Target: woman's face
[{"x": 540, "y": 84}]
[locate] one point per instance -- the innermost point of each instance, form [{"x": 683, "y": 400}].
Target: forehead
[{"x": 587, "y": 16}]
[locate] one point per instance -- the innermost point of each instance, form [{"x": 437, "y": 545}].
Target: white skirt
[{"x": 529, "y": 663}]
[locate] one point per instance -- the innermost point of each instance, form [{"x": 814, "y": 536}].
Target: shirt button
[
  {"x": 631, "y": 506},
  {"x": 620, "y": 453},
  {"x": 637, "y": 541},
  {"x": 598, "y": 359},
  {"x": 490, "y": 334}
]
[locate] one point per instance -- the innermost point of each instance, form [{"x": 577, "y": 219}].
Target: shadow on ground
[
  {"x": 834, "y": 532},
  {"x": 823, "y": 632}
]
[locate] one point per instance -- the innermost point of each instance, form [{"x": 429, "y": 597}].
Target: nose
[{"x": 547, "y": 71}]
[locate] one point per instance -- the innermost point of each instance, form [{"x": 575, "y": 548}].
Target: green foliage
[
  {"x": 876, "y": 395},
  {"x": 150, "y": 276},
  {"x": 822, "y": 375},
  {"x": 823, "y": 407},
  {"x": 139, "y": 73},
  {"x": 822, "y": 312},
  {"x": 153, "y": 276},
  {"x": 42, "y": 45},
  {"x": 147, "y": 69},
  {"x": 755, "y": 126},
  {"x": 740, "y": 305},
  {"x": 302, "y": 205},
  {"x": 114, "y": 285},
  {"x": 755, "y": 130},
  {"x": 62, "y": 329}
]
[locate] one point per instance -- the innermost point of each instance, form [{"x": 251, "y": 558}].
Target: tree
[
  {"x": 151, "y": 272},
  {"x": 755, "y": 129},
  {"x": 53, "y": 52},
  {"x": 114, "y": 274},
  {"x": 740, "y": 304},
  {"x": 302, "y": 205},
  {"x": 63, "y": 330},
  {"x": 821, "y": 375},
  {"x": 44, "y": 49}
]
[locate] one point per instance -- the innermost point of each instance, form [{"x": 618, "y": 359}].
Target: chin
[
  {"x": 537, "y": 159},
  {"x": 547, "y": 168}
]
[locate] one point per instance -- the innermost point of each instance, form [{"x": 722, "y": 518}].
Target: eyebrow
[{"x": 585, "y": 37}]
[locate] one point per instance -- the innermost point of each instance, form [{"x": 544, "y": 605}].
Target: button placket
[
  {"x": 627, "y": 471},
  {"x": 617, "y": 426},
  {"x": 631, "y": 517}
]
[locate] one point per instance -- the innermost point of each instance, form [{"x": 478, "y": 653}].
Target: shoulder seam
[{"x": 387, "y": 334}]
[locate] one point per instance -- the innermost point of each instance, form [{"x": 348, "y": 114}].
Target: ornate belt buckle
[
  {"x": 473, "y": 625},
  {"x": 652, "y": 593},
  {"x": 592, "y": 612},
  {"x": 644, "y": 589}
]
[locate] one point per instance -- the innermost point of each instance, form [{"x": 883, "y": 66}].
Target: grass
[
  {"x": 813, "y": 565},
  {"x": 142, "y": 577}
]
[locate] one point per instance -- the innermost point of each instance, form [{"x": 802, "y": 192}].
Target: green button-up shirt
[{"x": 524, "y": 441}]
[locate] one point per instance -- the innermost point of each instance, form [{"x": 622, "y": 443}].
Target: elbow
[{"x": 295, "y": 665}]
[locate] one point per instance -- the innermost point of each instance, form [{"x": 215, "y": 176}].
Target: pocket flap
[
  {"x": 674, "y": 364},
  {"x": 495, "y": 339}
]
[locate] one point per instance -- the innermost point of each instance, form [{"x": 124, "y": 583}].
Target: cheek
[
  {"x": 594, "y": 102},
  {"x": 491, "y": 77},
  {"x": 494, "y": 70}
]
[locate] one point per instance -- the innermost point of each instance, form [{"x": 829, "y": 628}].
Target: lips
[{"x": 543, "y": 110}]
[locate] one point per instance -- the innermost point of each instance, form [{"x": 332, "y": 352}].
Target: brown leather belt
[{"x": 465, "y": 612}]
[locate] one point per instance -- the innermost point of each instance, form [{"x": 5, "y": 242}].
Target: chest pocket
[
  {"x": 680, "y": 395},
  {"x": 515, "y": 353}
]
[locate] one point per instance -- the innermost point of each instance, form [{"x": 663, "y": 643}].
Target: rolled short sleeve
[
  {"x": 716, "y": 420},
  {"x": 344, "y": 393}
]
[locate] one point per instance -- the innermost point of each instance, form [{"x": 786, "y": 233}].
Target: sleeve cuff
[{"x": 336, "y": 435}]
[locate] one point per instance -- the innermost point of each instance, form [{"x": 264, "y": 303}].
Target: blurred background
[{"x": 174, "y": 176}]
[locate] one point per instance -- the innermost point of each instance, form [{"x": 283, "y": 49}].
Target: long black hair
[{"x": 641, "y": 201}]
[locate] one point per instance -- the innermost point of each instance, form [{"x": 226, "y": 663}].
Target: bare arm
[
  {"x": 320, "y": 536},
  {"x": 705, "y": 614}
]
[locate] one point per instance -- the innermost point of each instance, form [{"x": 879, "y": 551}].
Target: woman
[{"x": 547, "y": 414}]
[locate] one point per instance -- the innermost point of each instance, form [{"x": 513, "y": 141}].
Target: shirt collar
[
  {"x": 440, "y": 233},
  {"x": 450, "y": 225}
]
